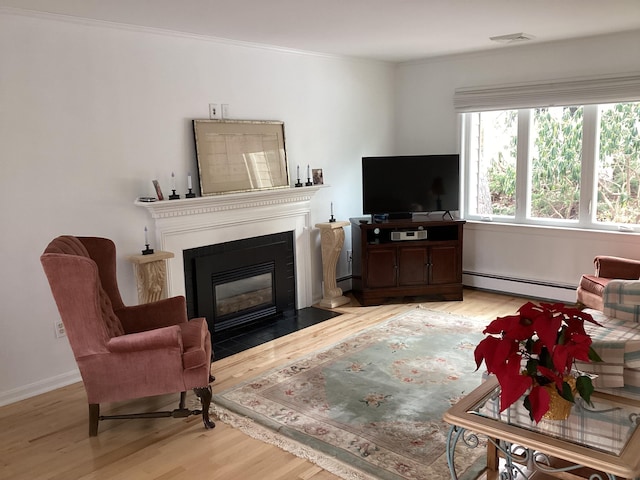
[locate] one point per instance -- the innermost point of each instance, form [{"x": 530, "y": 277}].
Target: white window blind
[{"x": 546, "y": 94}]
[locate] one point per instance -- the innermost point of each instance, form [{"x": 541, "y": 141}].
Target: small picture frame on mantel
[
  {"x": 318, "y": 178},
  {"x": 156, "y": 185}
]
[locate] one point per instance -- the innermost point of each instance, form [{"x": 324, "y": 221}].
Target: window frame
[{"x": 588, "y": 175}]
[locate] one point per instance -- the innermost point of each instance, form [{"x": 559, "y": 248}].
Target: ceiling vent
[{"x": 512, "y": 38}]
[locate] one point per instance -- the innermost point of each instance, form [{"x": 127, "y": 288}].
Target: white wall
[
  {"x": 90, "y": 113},
  {"x": 427, "y": 123}
]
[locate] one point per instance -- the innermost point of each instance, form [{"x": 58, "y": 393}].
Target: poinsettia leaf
[
  {"x": 578, "y": 348},
  {"x": 567, "y": 392},
  {"x": 545, "y": 358},
  {"x": 513, "y": 327},
  {"x": 539, "y": 400},
  {"x": 535, "y": 347},
  {"x": 532, "y": 366},
  {"x": 593, "y": 355},
  {"x": 547, "y": 329},
  {"x": 585, "y": 388},
  {"x": 560, "y": 358},
  {"x": 551, "y": 375},
  {"x": 527, "y": 404},
  {"x": 486, "y": 350},
  {"x": 501, "y": 324},
  {"x": 512, "y": 388},
  {"x": 529, "y": 310},
  {"x": 581, "y": 315},
  {"x": 575, "y": 326}
]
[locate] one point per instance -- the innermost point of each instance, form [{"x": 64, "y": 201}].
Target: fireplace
[
  {"x": 239, "y": 282},
  {"x": 191, "y": 223}
]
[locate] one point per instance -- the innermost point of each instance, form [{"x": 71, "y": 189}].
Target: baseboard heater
[
  {"x": 537, "y": 289},
  {"x": 520, "y": 286}
]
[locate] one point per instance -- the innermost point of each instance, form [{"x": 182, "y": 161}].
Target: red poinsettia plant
[{"x": 537, "y": 348}]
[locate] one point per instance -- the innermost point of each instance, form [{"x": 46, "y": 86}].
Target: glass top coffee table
[{"x": 602, "y": 439}]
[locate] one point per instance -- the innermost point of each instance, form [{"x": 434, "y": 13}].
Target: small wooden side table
[
  {"x": 331, "y": 241},
  {"x": 151, "y": 274}
]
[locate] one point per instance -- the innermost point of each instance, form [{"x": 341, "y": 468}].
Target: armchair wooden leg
[
  {"x": 204, "y": 394},
  {"x": 94, "y": 417}
]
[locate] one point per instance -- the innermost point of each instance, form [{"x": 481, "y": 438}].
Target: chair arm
[
  {"x": 148, "y": 316},
  {"x": 617, "y": 267},
  {"x": 621, "y": 300},
  {"x": 161, "y": 338}
]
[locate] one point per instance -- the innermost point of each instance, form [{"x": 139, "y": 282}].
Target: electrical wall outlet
[
  {"x": 59, "y": 329},
  {"x": 214, "y": 111},
  {"x": 225, "y": 110}
]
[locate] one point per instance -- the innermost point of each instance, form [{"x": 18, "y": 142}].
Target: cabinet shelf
[{"x": 384, "y": 267}]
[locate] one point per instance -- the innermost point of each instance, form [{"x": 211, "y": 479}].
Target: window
[
  {"x": 618, "y": 164},
  {"x": 493, "y": 142},
  {"x": 556, "y": 157},
  {"x": 551, "y": 165}
]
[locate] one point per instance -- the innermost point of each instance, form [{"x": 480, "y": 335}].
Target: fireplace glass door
[{"x": 233, "y": 296}]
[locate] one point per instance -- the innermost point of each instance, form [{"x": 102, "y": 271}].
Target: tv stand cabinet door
[
  {"x": 445, "y": 265},
  {"x": 412, "y": 266},
  {"x": 381, "y": 268}
]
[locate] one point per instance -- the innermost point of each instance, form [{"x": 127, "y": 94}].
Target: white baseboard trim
[
  {"x": 36, "y": 388},
  {"x": 521, "y": 287},
  {"x": 344, "y": 283}
]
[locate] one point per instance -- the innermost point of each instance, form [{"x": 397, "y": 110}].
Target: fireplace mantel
[
  {"x": 230, "y": 201},
  {"x": 201, "y": 221}
]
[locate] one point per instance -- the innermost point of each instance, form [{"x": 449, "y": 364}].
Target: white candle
[
  {"x": 189, "y": 186},
  {"x": 332, "y": 209},
  {"x": 298, "y": 172},
  {"x": 146, "y": 236},
  {"x": 308, "y": 173},
  {"x": 173, "y": 181}
]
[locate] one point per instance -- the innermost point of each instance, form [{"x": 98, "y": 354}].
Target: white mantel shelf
[
  {"x": 196, "y": 222},
  {"x": 230, "y": 201}
]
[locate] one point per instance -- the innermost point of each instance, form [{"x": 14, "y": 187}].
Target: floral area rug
[{"x": 372, "y": 405}]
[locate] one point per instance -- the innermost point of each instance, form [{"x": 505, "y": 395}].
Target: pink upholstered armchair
[
  {"x": 125, "y": 352},
  {"x": 591, "y": 288}
]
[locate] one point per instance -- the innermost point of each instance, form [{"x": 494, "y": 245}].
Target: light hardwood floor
[{"x": 46, "y": 437}]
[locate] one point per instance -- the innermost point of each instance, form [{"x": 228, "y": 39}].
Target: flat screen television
[{"x": 402, "y": 185}]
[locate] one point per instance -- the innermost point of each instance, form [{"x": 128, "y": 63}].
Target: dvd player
[{"x": 409, "y": 235}]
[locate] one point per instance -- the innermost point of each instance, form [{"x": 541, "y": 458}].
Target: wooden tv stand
[{"x": 384, "y": 268}]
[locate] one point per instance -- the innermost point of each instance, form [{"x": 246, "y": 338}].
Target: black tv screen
[{"x": 400, "y": 185}]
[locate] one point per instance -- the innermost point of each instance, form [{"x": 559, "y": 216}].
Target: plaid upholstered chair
[{"x": 125, "y": 352}]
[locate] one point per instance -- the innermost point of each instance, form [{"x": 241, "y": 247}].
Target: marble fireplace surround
[{"x": 198, "y": 222}]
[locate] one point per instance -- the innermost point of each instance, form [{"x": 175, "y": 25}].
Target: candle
[
  {"x": 189, "y": 186},
  {"x": 332, "y": 209},
  {"x": 298, "y": 172},
  {"x": 146, "y": 236},
  {"x": 308, "y": 172},
  {"x": 173, "y": 181}
]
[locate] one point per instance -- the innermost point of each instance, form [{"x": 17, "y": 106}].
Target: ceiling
[{"x": 389, "y": 30}]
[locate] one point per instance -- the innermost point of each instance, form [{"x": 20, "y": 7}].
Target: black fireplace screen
[{"x": 235, "y": 283}]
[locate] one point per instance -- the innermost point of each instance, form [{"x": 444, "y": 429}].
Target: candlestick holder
[
  {"x": 298, "y": 183},
  {"x": 174, "y": 195},
  {"x": 147, "y": 251},
  {"x": 190, "y": 194},
  {"x": 309, "y": 182},
  {"x": 332, "y": 219}
]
